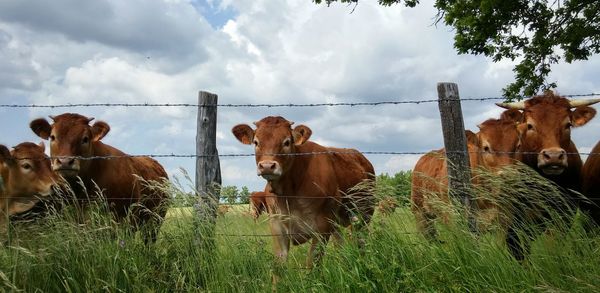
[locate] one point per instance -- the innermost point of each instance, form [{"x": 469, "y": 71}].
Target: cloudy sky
[{"x": 248, "y": 51}]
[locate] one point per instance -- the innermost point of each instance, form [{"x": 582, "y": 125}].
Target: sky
[{"x": 249, "y": 51}]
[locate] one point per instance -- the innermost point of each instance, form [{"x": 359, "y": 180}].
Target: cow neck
[{"x": 100, "y": 149}]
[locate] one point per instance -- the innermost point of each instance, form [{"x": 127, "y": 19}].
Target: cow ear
[
  {"x": 581, "y": 115},
  {"x": 301, "y": 134},
  {"x": 99, "y": 130},
  {"x": 471, "y": 137},
  {"x": 41, "y": 127},
  {"x": 5, "y": 156},
  {"x": 244, "y": 133},
  {"x": 513, "y": 115}
]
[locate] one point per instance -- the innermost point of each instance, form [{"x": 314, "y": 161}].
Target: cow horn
[
  {"x": 52, "y": 117},
  {"x": 90, "y": 119},
  {"x": 514, "y": 105},
  {"x": 583, "y": 102},
  {"x": 291, "y": 123}
]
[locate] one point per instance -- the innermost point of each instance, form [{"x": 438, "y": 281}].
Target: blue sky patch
[{"x": 216, "y": 16}]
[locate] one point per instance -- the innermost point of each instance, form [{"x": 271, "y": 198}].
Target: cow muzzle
[
  {"x": 66, "y": 166},
  {"x": 552, "y": 161},
  {"x": 270, "y": 170}
]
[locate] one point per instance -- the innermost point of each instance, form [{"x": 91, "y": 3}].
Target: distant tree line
[{"x": 396, "y": 186}]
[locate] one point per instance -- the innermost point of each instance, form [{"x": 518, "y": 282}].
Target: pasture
[{"x": 58, "y": 255}]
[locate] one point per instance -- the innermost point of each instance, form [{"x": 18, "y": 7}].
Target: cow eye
[
  {"x": 529, "y": 126},
  {"x": 286, "y": 143},
  {"x": 85, "y": 140},
  {"x": 568, "y": 126},
  {"x": 52, "y": 137},
  {"x": 255, "y": 142},
  {"x": 26, "y": 166},
  {"x": 486, "y": 149}
]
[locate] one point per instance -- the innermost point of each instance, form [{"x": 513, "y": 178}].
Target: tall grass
[{"x": 60, "y": 255}]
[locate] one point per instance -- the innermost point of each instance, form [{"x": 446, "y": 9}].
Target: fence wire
[
  {"x": 234, "y": 155},
  {"x": 264, "y": 105}
]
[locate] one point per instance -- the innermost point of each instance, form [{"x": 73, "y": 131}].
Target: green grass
[{"x": 60, "y": 256}]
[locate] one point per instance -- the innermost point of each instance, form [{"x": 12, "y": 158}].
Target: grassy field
[{"x": 60, "y": 256}]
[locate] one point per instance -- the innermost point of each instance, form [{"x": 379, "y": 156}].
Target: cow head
[
  {"x": 545, "y": 129},
  {"x": 274, "y": 140},
  {"x": 71, "y": 136},
  {"x": 497, "y": 140},
  {"x": 26, "y": 174}
]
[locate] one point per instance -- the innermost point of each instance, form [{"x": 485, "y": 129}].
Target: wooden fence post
[
  {"x": 455, "y": 143},
  {"x": 208, "y": 170}
]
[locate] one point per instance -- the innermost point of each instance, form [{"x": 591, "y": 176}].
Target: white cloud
[{"x": 397, "y": 163}]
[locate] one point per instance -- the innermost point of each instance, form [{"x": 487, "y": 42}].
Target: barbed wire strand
[
  {"x": 97, "y": 199},
  {"x": 249, "y": 105},
  {"x": 85, "y": 158}
]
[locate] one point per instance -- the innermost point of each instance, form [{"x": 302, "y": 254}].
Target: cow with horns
[
  {"x": 546, "y": 146},
  {"x": 74, "y": 144},
  {"x": 316, "y": 188}
]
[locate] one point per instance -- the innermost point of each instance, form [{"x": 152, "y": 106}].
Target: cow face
[
  {"x": 26, "y": 173},
  {"x": 274, "y": 143},
  {"x": 71, "y": 137},
  {"x": 498, "y": 140},
  {"x": 545, "y": 129}
]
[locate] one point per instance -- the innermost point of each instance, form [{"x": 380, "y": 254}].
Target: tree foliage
[
  {"x": 230, "y": 194},
  {"x": 536, "y": 33},
  {"x": 396, "y": 186},
  {"x": 244, "y": 195}
]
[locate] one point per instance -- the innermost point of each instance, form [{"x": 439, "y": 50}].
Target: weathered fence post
[
  {"x": 455, "y": 143},
  {"x": 208, "y": 170}
]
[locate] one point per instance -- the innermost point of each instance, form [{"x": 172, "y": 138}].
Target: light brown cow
[
  {"x": 591, "y": 183},
  {"x": 261, "y": 202},
  {"x": 26, "y": 178},
  {"x": 491, "y": 148},
  {"x": 314, "y": 191},
  {"x": 546, "y": 146},
  {"x": 72, "y": 140}
]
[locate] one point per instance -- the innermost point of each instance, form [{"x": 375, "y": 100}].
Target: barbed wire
[
  {"x": 109, "y": 157},
  {"x": 98, "y": 198},
  {"x": 264, "y": 105},
  {"x": 221, "y": 198},
  {"x": 292, "y": 234}
]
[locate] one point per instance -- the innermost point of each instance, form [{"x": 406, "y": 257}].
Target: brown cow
[
  {"x": 314, "y": 192},
  {"x": 261, "y": 202},
  {"x": 72, "y": 140},
  {"x": 491, "y": 148},
  {"x": 591, "y": 183},
  {"x": 546, "y": 146},
  {"x": 26, "y": 178}
]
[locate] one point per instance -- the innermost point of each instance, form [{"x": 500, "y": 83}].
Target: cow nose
[
  {"x": 554, "y": 155},
  {"x": 66, "y": 162},
  {"x": 267, "y": 167}
]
